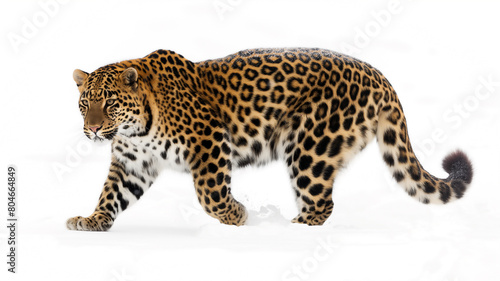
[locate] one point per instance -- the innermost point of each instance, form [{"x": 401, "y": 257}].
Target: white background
[{"x": 436, "y": 56}]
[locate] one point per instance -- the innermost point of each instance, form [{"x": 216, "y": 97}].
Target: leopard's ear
[
  {"x": 79, "y": 76},
  {"x": 129, "y": 77}
]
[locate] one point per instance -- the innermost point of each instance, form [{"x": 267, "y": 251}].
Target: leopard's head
[{"x": 111, "y": 102}]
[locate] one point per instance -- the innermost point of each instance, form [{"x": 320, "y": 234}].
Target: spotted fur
[{"x": 313, "y": 108}]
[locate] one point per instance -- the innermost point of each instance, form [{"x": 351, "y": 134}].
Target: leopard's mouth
[
  {"x": 110, "y": 135},
  {"x": 102, "y": 136}
]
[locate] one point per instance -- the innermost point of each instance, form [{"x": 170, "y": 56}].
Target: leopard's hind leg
[
  {"x": 311, "y": 170},
  {"x": 315, "y": 152}
]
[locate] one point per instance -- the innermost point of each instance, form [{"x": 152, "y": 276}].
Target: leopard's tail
[{"x": 394, "y": 143}]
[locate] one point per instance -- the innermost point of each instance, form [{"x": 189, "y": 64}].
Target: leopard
[{"x": 312, "y": 108}]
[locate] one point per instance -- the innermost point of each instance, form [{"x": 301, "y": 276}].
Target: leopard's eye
[
  {"x": 110, "y": 101},
  {"x": 85, "y": 102}
]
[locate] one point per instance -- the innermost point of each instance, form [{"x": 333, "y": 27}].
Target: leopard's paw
[
  {"x": 92, "y": 223},
  {"x": 237, "y": 215},
  {"x": 310, "y": 219}
]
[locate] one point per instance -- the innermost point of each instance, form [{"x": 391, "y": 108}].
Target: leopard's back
[{"x": 263, "y": 96}]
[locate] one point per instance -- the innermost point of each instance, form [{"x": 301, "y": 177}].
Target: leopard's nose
[{"x": 94, "y": 128}]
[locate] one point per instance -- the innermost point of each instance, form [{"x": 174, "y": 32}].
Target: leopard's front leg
[
  {"x": 212, "y": 180},
  {"x": 121, "y": 189}
]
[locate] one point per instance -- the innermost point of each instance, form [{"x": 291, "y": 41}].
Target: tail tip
[{"x": 458, "y": 165}]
